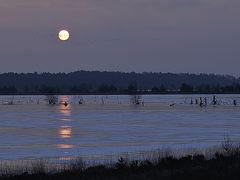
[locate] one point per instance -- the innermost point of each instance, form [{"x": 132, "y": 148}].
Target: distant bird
[
  {"x": 137, "y": 103},
  {"x": 172, "y": 104}
]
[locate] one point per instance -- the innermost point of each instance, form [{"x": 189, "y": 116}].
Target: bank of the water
[{"x": 222, "y": 163}]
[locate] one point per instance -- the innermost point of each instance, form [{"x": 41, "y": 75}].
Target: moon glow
[{"x": 63, "y": 35}]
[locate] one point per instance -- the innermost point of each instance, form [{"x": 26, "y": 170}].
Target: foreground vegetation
[{"x": 223, "y": 164}]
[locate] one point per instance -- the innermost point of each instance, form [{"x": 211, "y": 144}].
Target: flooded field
[{"x": 32, "y": 128}]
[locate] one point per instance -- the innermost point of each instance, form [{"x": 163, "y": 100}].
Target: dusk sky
[{"x": 121, "y": 35}]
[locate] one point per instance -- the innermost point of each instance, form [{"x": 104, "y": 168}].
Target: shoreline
[
  {"x": 207, "y": 162},
  {"x": 109, "y": 94}
]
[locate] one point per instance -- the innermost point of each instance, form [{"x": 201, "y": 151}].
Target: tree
[
  {"x": 163, "y": 88},
  {"x": 132, "y": 88},
  {"x": 155, "y": 90},
  {"x": 186, "y": 88}
]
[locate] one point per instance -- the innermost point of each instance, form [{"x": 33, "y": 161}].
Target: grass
[{"x": 223, "y": 164}]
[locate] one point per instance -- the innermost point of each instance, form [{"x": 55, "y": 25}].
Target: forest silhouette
[{"x": 96, "y": 82}]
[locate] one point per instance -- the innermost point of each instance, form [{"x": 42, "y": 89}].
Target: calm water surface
[{"x": 30, "y": 128}]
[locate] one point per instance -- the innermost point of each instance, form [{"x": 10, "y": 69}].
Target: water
[{"x": 30, "y": 128}]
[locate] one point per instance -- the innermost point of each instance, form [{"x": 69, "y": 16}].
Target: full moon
[{"x": 63, "y": 35}]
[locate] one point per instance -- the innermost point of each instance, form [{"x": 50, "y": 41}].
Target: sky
[{"x": 195, "y": 36}]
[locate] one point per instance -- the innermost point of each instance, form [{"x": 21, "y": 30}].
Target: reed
[{"x": 221, "y": 163}]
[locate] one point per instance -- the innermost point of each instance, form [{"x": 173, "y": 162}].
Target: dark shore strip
[
  {"x": 223, "y": 164},
  {"x": 118, "y": 93}
]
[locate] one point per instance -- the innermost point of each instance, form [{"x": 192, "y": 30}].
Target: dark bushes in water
[{"x": 224, "y": 164}]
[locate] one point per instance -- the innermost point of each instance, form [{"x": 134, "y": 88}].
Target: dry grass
[{"x": 223, "y": 163}]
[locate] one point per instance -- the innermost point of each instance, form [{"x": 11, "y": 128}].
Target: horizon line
[{"x": 114, "y": 71}]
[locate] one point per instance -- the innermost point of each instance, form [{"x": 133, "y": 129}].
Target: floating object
[
  {"x": 214, "y": 100},
  {"x": 196, "y": 101},
  {"x": 65, "y": 103},
  {"x": 234, "y": 102},
  {"x": 201, "y": 102}
]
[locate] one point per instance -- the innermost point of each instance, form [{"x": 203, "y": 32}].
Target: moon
[{"x": 63, "y": 35}]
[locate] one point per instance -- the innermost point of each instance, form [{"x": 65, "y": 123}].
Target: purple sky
[{"x": 123, "y": 35}]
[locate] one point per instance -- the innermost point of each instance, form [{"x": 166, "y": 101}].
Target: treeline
[
  {"x": 131, "y": 89},
  {"x": 95, "y": 82}
]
